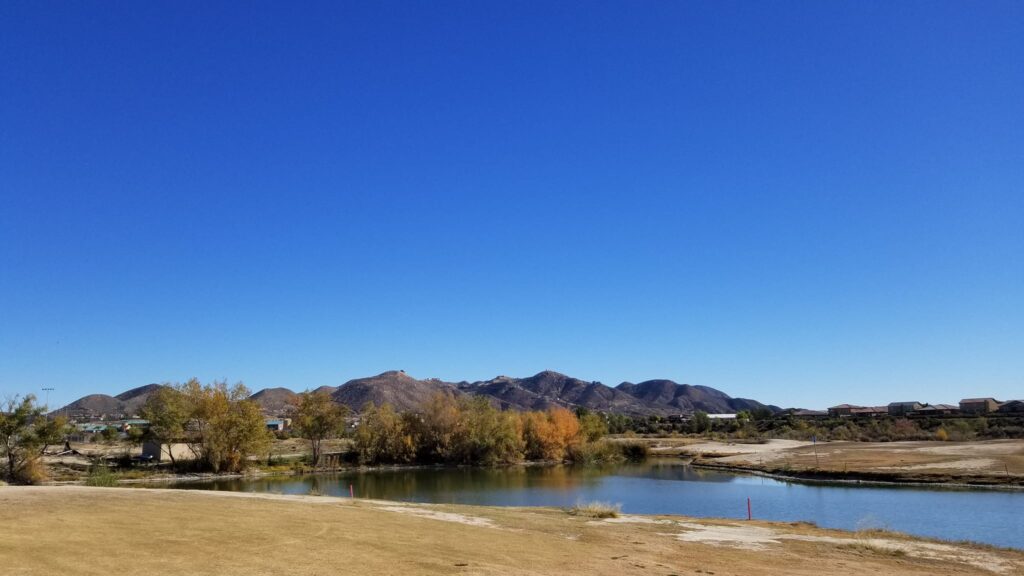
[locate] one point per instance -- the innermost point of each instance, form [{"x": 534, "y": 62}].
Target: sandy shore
[
  {"x": 990, "y": 462},
  {"x": 79, "y": 530}
]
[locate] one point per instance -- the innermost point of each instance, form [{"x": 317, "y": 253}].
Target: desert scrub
[
  {"x": 596, "y": 510},
  {"x": 634, "y": 451},
  {"x": 599, "y": 452},
  {"x": 101, "y": 476},
  {"x": 869, "y": 548}
]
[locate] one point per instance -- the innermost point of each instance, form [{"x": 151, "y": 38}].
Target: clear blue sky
[{"x": 805, "y": 203}]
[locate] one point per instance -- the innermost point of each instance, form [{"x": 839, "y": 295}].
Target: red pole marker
[
  {"x": 351, "y": 492},
  {"x": 749, "y": 515}
]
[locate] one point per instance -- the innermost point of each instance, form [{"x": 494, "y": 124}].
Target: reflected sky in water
[{"x": 671, "y": 487}]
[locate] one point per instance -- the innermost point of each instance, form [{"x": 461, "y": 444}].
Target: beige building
[
  {"x": 163, "y": 452},
  {"x": 842, "y": 410},
  {"x": 978, "y": 405}
]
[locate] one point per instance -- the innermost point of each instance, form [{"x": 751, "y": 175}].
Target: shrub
[
  {"x": 100, "y": 475},
  {"x": 383, "y": 436},
  {"x": 600, "y": 452},
  {"x": 634, "y": 451},
  {"x": 31, "y": 472},
  {"x": 596, "y": 510}
]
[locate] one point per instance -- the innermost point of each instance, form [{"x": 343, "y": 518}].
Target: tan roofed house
[
  {"x": 842, "y": 410},
  {"x": 901, "y": 408},
  {"x": 978, "y": 405}
]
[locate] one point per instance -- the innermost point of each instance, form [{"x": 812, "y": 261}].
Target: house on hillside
[
  {"x": 903, "y": 408},
  {"x": 936, "y": 410},
  {"x": 978, "y": 405},
  {"x": 842, "y": 410},
  {"x": 92, "y": 427},
  {"x": 278, "y": 424},
  {"x": 802, "y": 413},
  {"x": 1012, "y": 407},
  {"x": 870, "y": 411},
  {"x": 135, "y": 423}
]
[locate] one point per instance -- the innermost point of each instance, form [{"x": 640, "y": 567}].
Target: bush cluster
[{"x": 469, "y": 430}]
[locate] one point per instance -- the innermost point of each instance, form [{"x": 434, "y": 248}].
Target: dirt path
[{"x": 79, "y": 530}]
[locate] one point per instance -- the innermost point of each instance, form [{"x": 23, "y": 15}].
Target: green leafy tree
[
  {"x": 491, "y": 436},
  {"x": 701, "y": 422},
  {"x": 22, "y": 430},
  {"x": 441, "y": 430},
  {"x": 108, "y": 435},
  {"x": 52, "y": 431},
  {"x": 383, "y": 436},
  {"x": 318, "y": 418},
  {"x": 222, "y": 427},
  {"x": 230, "y": 426},
  {"x": 167, "y": 412},
  {"x": 619, "y": 423},
  {"x": 592, "y": 427}
]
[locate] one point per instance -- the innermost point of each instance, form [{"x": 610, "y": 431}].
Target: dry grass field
[{"x": 78, "y": 530}]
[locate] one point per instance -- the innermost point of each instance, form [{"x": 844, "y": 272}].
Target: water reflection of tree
[
  {"x": 448, "y": 484},
  {"x": 445, "y": 484},
  {"x": 672, "y": 470}
]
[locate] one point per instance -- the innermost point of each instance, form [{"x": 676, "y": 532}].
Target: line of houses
[
  {"x": 85, "y": 430},
  {"x": 968, "y": 407}
]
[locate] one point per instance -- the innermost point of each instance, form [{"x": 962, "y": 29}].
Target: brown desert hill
[
  {"x": 548, "y": 388},
  {"x": 275, "y": 401},
  {"x": 325, "y": 390},
  {"x": 670, "y": 396},
  {"x": 394, "y": 387},
  {"x": 133, "y": 400},
  {"x": 93, "y": 406},
  {"x": 125, "y": 405},
  {"x": 538, "y": 392},
  {"x": 653, "y": 397}
]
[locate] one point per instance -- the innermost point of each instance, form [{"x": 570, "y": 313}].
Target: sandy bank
[{"x": 79, "y": 530}]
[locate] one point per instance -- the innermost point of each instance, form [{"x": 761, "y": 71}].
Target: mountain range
[{"x": 537, "y": 392}]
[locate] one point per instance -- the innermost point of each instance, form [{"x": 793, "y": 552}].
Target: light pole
[{"x": 47, "y": 390}]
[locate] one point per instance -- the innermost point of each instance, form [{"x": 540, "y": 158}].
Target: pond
[{"x": 663, "y": 486}]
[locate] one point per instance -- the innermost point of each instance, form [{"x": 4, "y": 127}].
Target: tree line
[
  {"x": 225, "y": 430},
  {"x": 470, "y": 430}
]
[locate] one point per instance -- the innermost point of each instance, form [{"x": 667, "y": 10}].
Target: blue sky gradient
[{"x": 804, "y": 203}]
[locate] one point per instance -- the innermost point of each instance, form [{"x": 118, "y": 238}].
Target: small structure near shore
[{"x": 166, "y": 451}]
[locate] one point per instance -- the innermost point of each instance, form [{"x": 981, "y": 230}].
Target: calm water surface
[{"x": 672, "y": 487}]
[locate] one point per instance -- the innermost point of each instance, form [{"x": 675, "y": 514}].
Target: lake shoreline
[
  {"x": 866, "y": 479},
  {"x": 987, "y": 464},
  {"x": 228, "y": 535},
  {"x": 657, "y": 486},
  {"x": 806, "y": 477}
]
